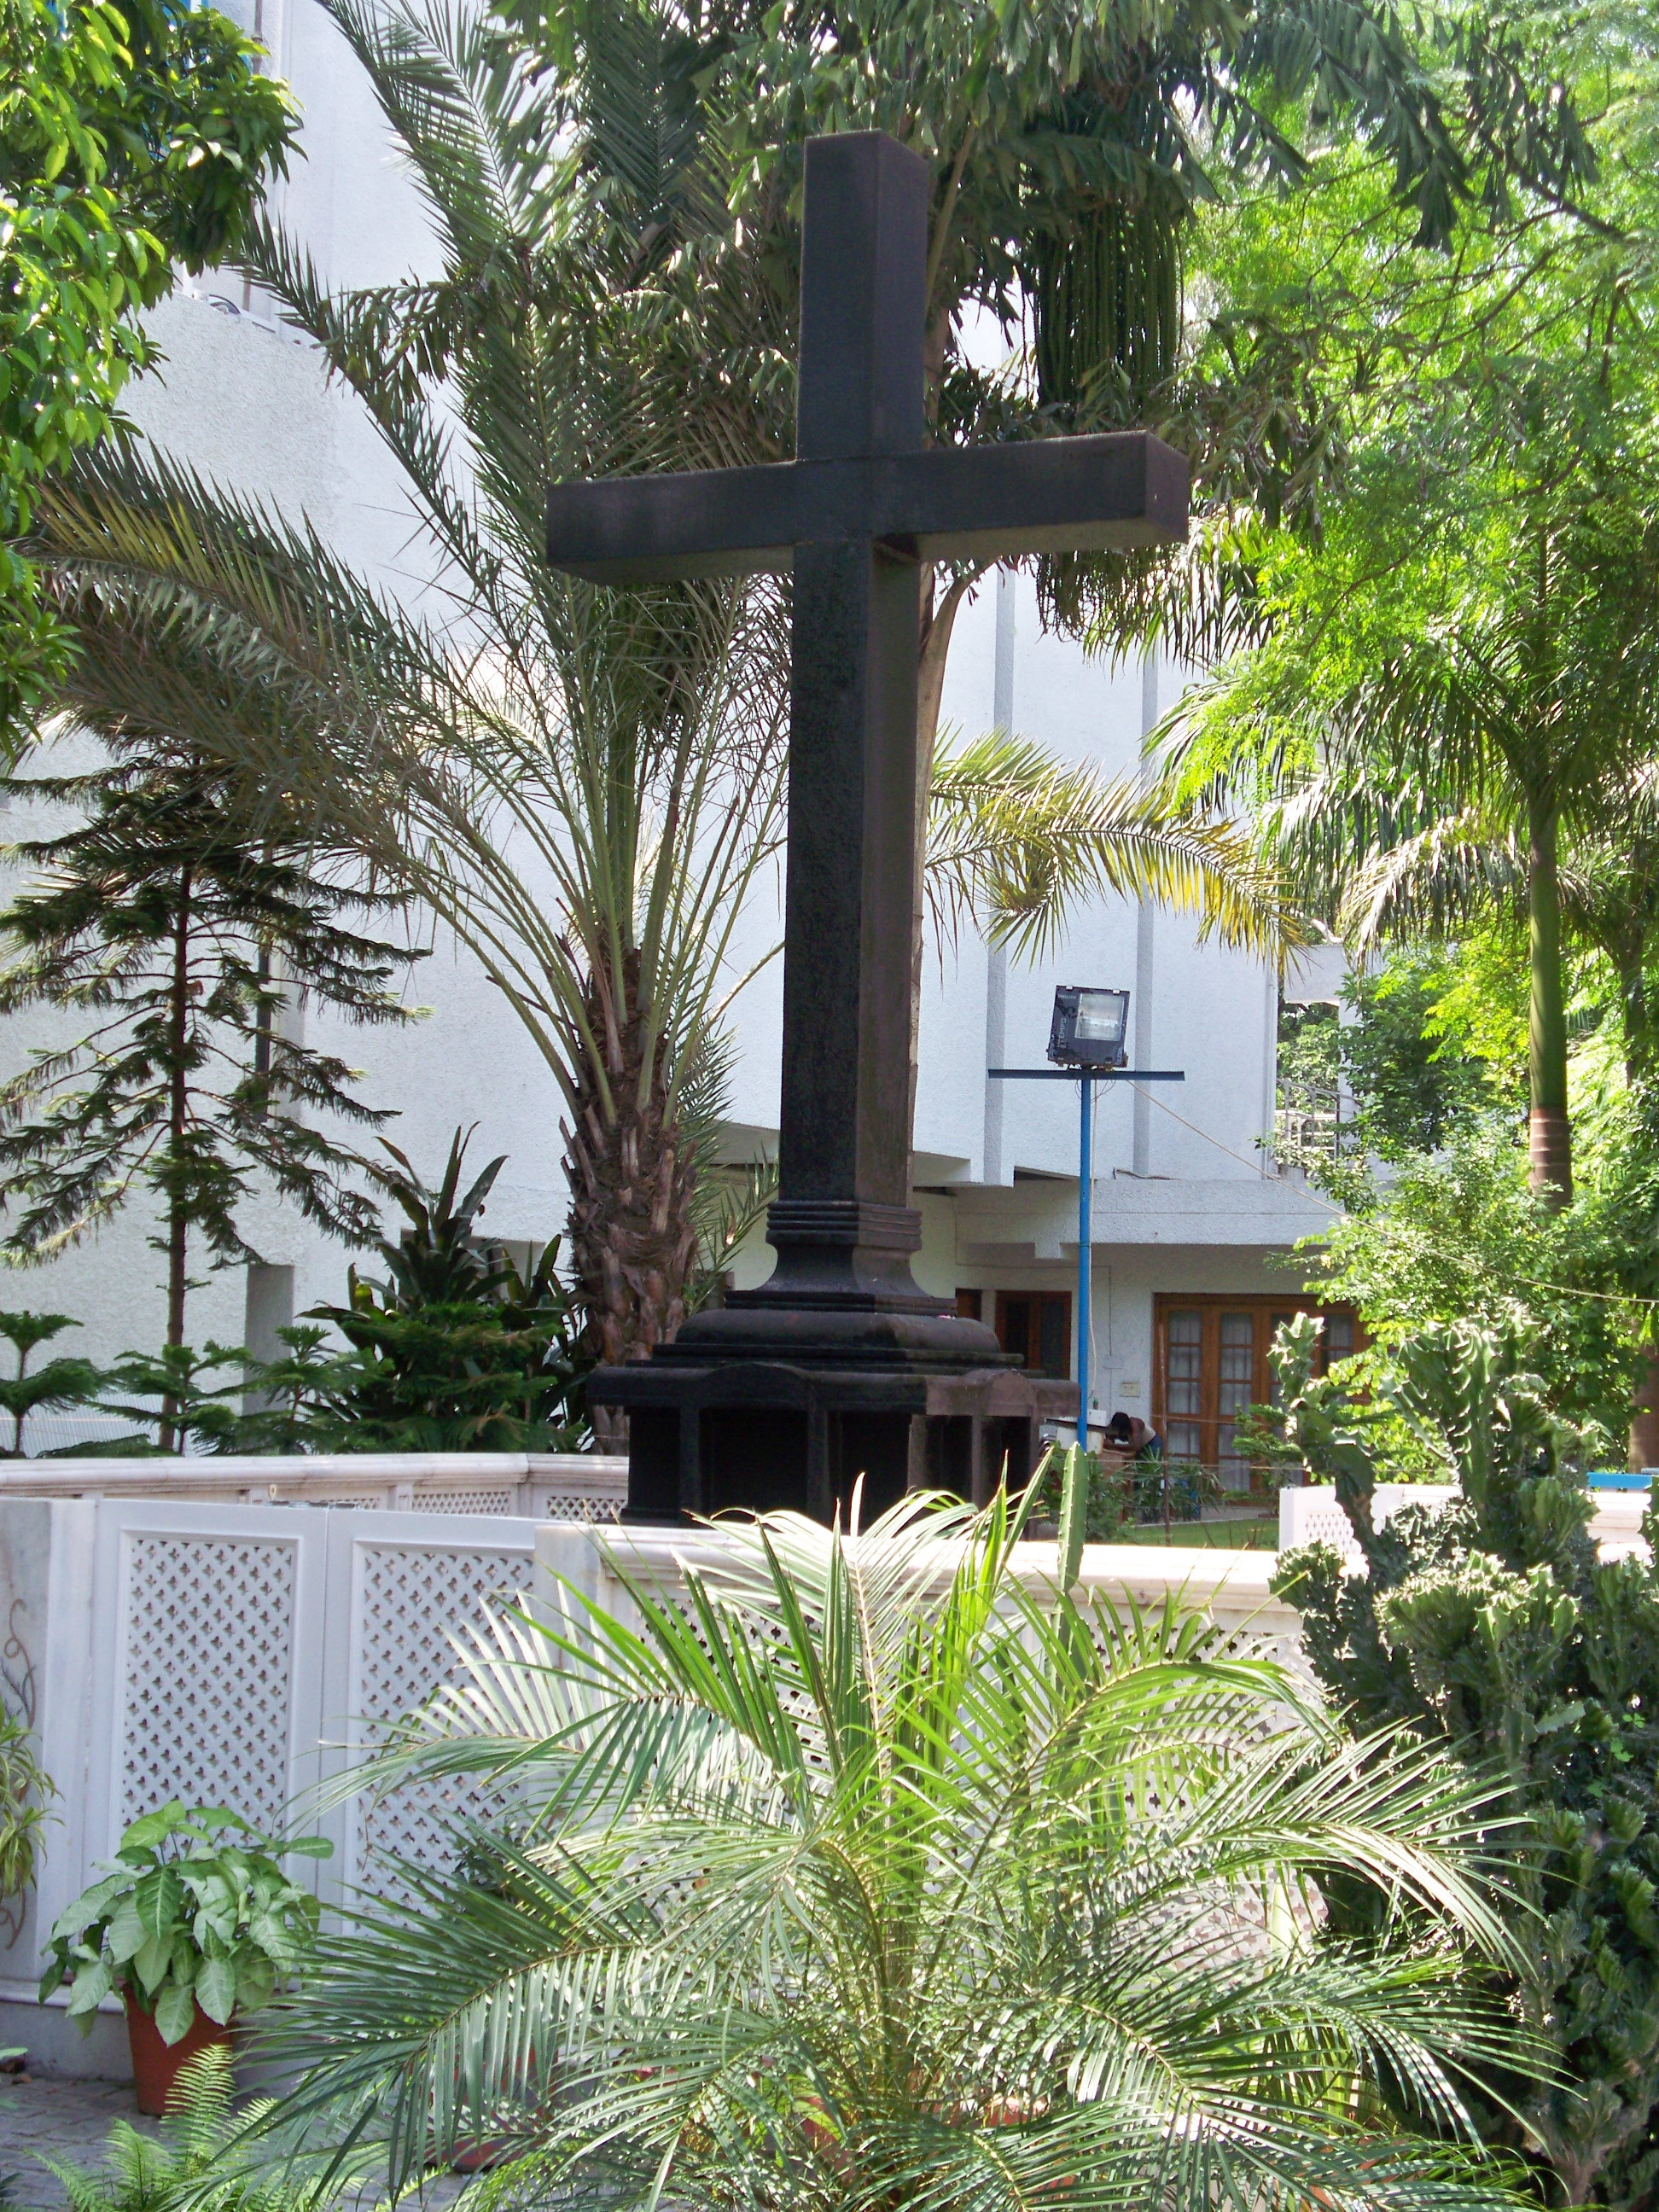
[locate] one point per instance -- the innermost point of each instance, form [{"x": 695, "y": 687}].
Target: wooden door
[{"x": 1209, "y": 1362}]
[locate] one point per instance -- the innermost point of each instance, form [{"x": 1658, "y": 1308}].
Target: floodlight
[{"x": 1089, "y": 1027}]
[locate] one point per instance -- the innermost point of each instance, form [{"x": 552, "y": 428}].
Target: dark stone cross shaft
[{"x": 854, "y": 517}]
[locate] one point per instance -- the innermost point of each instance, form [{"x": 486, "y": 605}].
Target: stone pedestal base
[
  {"x": 796, "y": 1434},
  {"x": 839, "y": 1367}
]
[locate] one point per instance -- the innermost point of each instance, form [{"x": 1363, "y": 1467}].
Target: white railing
[
  {"x": 179, "y": 1643},
  {"x": 1312, "y": 1515},
  {"x": 525, "y": 1485},
  {"x": 1231, "y": 1586},
  {"x": 176, "y": 1645}
]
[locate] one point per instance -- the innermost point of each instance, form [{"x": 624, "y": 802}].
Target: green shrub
[
  {"x": 1491, "y": 1627},
  {"x": 454, "y": 1350},
  {"x": 195, "y": 1910},
  {"x": 210, "y": 2157},
  {"x": 26, "y": 1795},
  {"x": 58, "y": 1383}
]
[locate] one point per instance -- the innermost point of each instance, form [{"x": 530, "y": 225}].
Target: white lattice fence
[
  {"x": 206, "y": 1714},
  {"x": 239, "y": 1654},
  {"x": 1312, "y": 1515},
  {"x": 408, "y": 1598}
]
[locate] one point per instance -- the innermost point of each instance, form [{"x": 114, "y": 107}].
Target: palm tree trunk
[
  {"x": 632, "y": 1242},
  {"x": 1627, "y": 961},
  {"x": 1550, "y": 1133}
]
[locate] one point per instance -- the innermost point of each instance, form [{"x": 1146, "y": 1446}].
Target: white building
[{"x": 1190, "y": 1208}]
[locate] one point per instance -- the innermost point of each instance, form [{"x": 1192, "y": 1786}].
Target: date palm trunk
[
  {"x": 939, "y": 610},
  {"x": 631, "y": 1174}
]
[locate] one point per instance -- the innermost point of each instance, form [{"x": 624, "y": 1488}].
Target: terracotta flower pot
[{"x": 156, "y": 2064}]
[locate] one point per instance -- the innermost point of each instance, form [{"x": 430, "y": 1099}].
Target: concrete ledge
[
  {"x": 1231, "y": 1586},
  {"x": 234, "y": 1471},
  {"x": 54, "y": 2042}
]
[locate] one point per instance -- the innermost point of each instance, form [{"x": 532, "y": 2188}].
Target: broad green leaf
[
  {"x": 175, "y": 2013},
  {"x": 127, "y": 1933},
  {"x": 216, "y": 1817},
  {"x": 215, "y": 1989},
  {"x": 273, "y": 1937},
  {"x": 218, "y": 1906},
  {"x": 91, "y": 1984},
  {"x": 150, "y": 1963},
  {"x": 153, "y": 1828},
  {"x": 159, "y": 1900},
  {"x": 256, "y": 1981},
  {"x": 207, "y": 1930},
  {"x": 1073, "y": 1514},
  {"x": 90, "y": 1905}
]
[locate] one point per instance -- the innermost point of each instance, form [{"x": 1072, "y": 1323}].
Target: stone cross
[{"x": 854, "y": 517}]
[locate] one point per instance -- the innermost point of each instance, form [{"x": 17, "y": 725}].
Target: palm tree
[
  {"x": 1446, "y": 776},
  {"x": 1070, "y": 146},
  {"x": 564, "y": 854},
  {"x": 864, "y": 1872},
  {"x": 580, "y": 783}
]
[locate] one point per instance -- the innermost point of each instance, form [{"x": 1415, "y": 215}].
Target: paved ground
[{"x": 70, "y": 2120}]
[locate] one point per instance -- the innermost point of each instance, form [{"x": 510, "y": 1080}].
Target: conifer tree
[
  {"x": 58, "y": 1382},
  {"x": 190, "y": 926}
]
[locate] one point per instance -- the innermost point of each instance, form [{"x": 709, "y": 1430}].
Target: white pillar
[
  {"x": 996, "y": 959},
  {"x": 1140, "y": 1155}
]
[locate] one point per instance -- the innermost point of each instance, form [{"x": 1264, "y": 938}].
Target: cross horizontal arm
[{"x": 974, "y": 502}]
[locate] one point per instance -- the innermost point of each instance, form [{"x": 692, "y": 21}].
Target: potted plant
[{"x": 194, "y": 1922}]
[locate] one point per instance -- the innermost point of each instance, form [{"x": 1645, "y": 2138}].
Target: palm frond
[
  {"x": 857, "y": 1868},
  {"x": 1019, "y": 838}
]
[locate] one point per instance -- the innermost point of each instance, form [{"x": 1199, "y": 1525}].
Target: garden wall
[
  {"x": 233, "y": 1653},
  {"x": 1312, "y": 1515}
]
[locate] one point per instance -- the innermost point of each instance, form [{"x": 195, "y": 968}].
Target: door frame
[{"x": 1263, "y": 1305}]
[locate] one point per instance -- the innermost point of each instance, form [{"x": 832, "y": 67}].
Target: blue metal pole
[{"x": 1084, "y": 1232}]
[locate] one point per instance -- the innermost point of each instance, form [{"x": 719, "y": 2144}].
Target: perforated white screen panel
[
  {"x": 206, "y": 1677},
  {"x": 409, "y": 1598}
]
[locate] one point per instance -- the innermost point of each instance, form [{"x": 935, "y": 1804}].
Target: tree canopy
[{"x": 134, "y": 142}]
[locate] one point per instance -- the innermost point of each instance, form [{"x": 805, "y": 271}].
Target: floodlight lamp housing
[{"x": 1091, "y": 1028}]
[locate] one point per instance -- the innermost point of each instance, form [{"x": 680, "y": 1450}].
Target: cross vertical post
[{"x": 856, "y": 630}]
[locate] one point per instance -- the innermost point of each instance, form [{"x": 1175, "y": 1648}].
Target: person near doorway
[{"x": 1125, "y": 1433}]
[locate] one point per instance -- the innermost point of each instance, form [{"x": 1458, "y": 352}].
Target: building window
[
  {"x": 1036, "y": 1325},
  {"x": 1211, "y": 1362}
]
